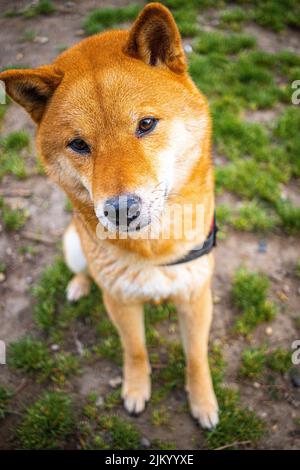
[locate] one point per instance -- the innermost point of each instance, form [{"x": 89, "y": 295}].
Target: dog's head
[{"x": 120, "y": 123}]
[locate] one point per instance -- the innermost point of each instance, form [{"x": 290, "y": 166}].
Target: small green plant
[
  {"x": 13, "y": 219},
  {"x": 33, "y": 357},
  {"x": 15, "y": 141},
  {"x": 289, "y": 215},
  {"x": 47, "y": 423},
  {"x": 237, "y": 423},
  {"x": 43, "y": 7},
  {"x": 215, "y": 42},
  {"x": 252, "y": 217},
  {"x": 233, "y": 19},
  {"x": 158, "y": 444},
  {"x": 29, "y": 35},
  {"x": 279, "y": 360},
  {"x": 10, "y": 159},
  {"x": 253, "y": 362},
  {"x": 160, "y": 417},
  {"x": 249, "y": 295},
  {"x": 123, "y": 434},
  {"x": 5, "y": 396},
  {"x": 103, "y": 18},
  {"x": 186, "y": 20},
  {"x": 2, "y": 267},
  {"x": 30, "y": 356}
]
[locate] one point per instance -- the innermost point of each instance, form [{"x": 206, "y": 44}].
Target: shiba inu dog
[{"x": 122, "y": 128}]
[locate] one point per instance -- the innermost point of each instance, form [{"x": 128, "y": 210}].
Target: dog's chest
[{"x": 131, "y": 280}]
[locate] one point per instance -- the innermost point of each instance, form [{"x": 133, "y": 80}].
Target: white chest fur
[{"x": 130, "y": 279}]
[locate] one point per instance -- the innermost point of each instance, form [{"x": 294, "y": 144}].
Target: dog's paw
[
  {"x": 205, "y": 413},
  {"x": 135, "y": 398},
  {"x": 78, "y": 287}
]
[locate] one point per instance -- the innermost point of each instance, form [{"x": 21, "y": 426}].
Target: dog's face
[{"x": 119, "y": 121}]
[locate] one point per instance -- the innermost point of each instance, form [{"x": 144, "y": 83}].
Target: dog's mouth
[
  {"x": 132, "y": 213},
  {"x": 135, "y": 226}
]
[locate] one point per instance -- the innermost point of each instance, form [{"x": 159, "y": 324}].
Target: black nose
[{"x": 122, "y": 210}]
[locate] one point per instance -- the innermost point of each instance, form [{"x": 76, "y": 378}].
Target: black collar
[{"x": 204, "y": 249}]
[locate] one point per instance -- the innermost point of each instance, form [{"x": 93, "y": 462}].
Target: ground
[{"x": 69, "y": 363}]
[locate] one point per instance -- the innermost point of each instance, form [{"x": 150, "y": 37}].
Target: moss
[{"x": 47, "y": 423}]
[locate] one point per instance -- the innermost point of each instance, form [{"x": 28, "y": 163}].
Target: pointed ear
[
  {"x": 155, "y": 39},
  {"x": 32, "y": 89}
]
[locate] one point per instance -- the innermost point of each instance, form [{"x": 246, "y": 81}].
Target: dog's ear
[
  {"x": 155, "y": 39},
  {"x": 32, "y": 89}
]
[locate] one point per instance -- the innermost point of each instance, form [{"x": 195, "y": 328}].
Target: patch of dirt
[{"x": 46, "y": 206}]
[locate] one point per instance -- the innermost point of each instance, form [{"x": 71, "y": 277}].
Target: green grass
[
  {"x": 123, "y": 435},
  {"x": 287, "y": 132},
  {"x": 249, "y": 296},
  {"x": 48, "y": 422},
  {"x": 99, "y": 20},
  {"x": 219, "y": 43},
  {"x": 253, "y": 362},
  {"x": 33, "y": 357},
  {"x": 2, "y": 266},
  {"x": 160, "y": 416},
  {"x": 237, "y": 423},
  {"x": 5, "y": 396},
  {"x": 43, "y": 7},
  {"x": 29, "y": 35},
  {"x": 13, "y": 219},
  {"x": 279, "y": 360},
  {"x": 15, "y": 141},
  {"x": 252, "y": 217},
  {"x": 11, "y": 162},
  {"x": 52, "y": 312},
  {"x": 186, "y": 20},
  {"x": 275, "y": 14},
  {"x": 233, "y": 19}
]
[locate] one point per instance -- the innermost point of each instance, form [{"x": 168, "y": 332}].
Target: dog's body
[{"x": 140, "y": 128}]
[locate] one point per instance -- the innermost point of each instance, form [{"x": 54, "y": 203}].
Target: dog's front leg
[
  {"x": 195, "y": 319},
  {"x": 129, "y": 321}
]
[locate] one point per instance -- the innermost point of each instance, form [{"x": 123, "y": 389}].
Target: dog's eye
[
  {"x": 79, "y": 146},
  {"x": 146, "y": 125}
]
